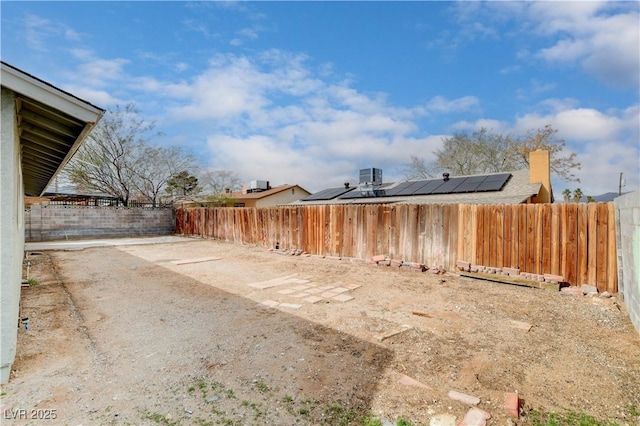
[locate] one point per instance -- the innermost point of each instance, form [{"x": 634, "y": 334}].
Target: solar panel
[
  {"x": 448, "y": 186},
  {"x": 467, "y": 186},
  {"x": 327, "y": 194},
  {"x": 350, "y": 195},
  {"x": 475, "y": 179},
  {"x": 498, "y": 177},
  {"x": 429, "y": 187},
  {"x": 397, "y": 189},
  {"x": 378, "y": 192},
  {"x": 494, "y": 184}
]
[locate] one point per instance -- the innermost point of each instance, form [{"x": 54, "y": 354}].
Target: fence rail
[{"x": 576, "y": 241}]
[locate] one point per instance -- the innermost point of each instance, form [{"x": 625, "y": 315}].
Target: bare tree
[
  {"x": 118, "y": 160},
  {"x": 418, "y": 169},
  {"x": 480, "y": 152},
  {"x": 215, "y": 182},
  {"x": 562, "y": 165},
  {"x": 105, "y": 162},
  {"x": 486, "y": 152},
  {"x": 157, "y": 166}
]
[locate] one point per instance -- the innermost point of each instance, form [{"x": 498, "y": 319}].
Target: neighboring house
[
  {"x": 522, "y": 186},
  {"x": 261, "y": 194},
  {"x": 41, "y": 128}
]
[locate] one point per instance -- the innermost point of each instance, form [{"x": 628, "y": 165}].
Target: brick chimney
[{"x": 540, "y": 172}]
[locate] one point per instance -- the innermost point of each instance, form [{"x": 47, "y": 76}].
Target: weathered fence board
[{"x": 576, "y": 241}]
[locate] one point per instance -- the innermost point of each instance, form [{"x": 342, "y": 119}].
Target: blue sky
[{"x": 311, "y": 92}]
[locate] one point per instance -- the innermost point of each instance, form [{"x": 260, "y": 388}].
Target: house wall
[
  {"x": 628, "y": 250},
  {"x": 11, "y": 232},
  {"x": 51, "y": 222},
  {"x": 283, "y": 197}
]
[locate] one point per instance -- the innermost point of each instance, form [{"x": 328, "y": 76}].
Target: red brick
[
  {"x": 550, "y": 278},
  {"x": 463, "y": 397},
  {"x": 512, "y": 404},
  {"x": 511, "y": 271},
  {"x": 378, "y": 258},
  {"x": 475, "y": 417},
  {"x": 576, "y": 291},
  {"x": 463, "y": 265}
]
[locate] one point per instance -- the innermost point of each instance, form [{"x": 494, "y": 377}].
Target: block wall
[
  {"x": 47, "y": 223},
  {"x": 628, "y": 250}
]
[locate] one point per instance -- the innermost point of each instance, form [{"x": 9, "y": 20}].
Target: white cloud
[
  {"x": 442, "y": 105},
  {"x": 603, "y": 40},
  {"x": 492, "y": 125},
  {"x": 101, "y": 98},
  {"x": 38, "y": 32},
  {"x": 581, "y": 124},
  {"x": 601, "y": 37},
  {"x": 271, "y": 117}
]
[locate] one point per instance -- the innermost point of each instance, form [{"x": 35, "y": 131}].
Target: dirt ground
[{"x": 207, "y": 332}]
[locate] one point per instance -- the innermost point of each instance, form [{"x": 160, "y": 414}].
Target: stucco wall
[
  {"x": 11, "y": 232},
  {"x": 49, "y": 222},
  {"x": 628, "y": 230},
  {"x": 283, "y": 197}
]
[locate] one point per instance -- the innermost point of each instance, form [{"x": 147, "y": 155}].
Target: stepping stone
[
  {"x": 290, "y": 305},
  {"x": 342, "y": 298},
  {"x": 313, "y": 299}
]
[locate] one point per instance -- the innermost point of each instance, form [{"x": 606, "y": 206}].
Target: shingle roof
[{"x": 516, "y": 190}]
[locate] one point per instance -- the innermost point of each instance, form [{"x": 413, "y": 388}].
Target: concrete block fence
[
  {"x": 49, "y": 222},
  {"x": 628, "y": 230}
]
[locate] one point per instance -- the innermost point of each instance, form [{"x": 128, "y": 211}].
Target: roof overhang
[{"x": 51, "y": 124}]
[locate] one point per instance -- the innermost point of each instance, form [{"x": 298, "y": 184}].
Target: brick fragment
[
  {"x": 512, "y": 404},
  {"x": 576, "y": 291},
  {"x": 512, "y": 272},
  {"x": 396, "y": 263},
  {"x": 378, "y": 258},
  {"x": 463, "y": 265},
  {"x": 463, "y": 397},
  {"x": 416, "y": 265},
  {"x": 551, "y": 278},
  {"x": 475, "y": 417},
  {"x": 384, "y": 263}
]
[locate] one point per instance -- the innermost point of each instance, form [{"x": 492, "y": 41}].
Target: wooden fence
[{"x": 576, "y": 241}]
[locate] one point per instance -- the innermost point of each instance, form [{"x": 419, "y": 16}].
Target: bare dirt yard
[{"x": 206, "y": 332}]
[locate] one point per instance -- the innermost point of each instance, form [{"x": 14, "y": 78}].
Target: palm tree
[
  {"x": 567, "y": 195},
  {"x": 577, "y": 195}
]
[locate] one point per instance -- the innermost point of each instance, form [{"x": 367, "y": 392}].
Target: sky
[{"x": 309, "y": 93}]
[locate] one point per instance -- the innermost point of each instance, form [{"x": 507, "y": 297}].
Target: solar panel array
[
  {"x": 456, "y": 185},
  {"x": 327, "y": 194}
]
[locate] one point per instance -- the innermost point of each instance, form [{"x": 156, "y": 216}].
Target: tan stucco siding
[{"x": 283, "y": 197}]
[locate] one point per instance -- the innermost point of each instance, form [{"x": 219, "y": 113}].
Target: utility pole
[{"x": 620, "y": 185}]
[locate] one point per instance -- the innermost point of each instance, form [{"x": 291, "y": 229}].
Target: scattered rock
[
  {"x": 586, "y": 289},
  {"x": 443, "y": 420}
]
